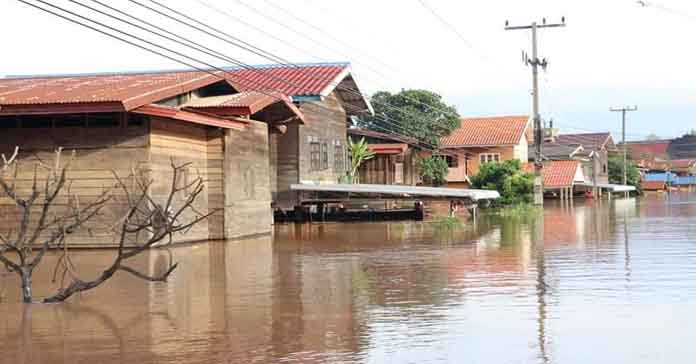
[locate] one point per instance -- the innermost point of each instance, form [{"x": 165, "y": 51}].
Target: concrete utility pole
[
  {"x": 535, "y": 62},
  {"x": 623, "y": 111}
]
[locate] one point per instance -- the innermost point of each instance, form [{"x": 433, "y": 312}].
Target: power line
[
  {"x": 146, "y": 48},
  {"x": 355, "y": 92},
  {"x": 192, "y": 44},
  {"x": 447, "y": 112}
]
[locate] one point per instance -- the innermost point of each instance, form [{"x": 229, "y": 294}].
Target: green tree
[
  {"x": 359, "y": 152},
  {"x": 507, "y": 178},
  {"x": 419, "y": 114},
  {"x": 433, "y": 170},
  {"x": 616, "y": 172}
]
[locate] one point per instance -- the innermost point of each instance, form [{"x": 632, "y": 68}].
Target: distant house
[
  {"x": 483, "y": 140},
  {"x": 597, "y": 147},
  {"x": 648, "y": 150},
  {"x": 395, "y": 160},
  {"x": 243, "y": 139}
]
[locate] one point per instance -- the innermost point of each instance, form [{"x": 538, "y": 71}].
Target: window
[
  {"x": 489, "y": 158},
  {"x": 452, "y": 161},
  {"x": 324, "y": 156},
  {"x": 339, "y": 158},
  {"x": 314, "y": 156}
]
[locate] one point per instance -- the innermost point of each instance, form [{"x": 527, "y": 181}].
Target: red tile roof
[
  {"x": 392, "y": 148},
  {"x": 559, "y": 173},
  {"x": 589, "y": 141},
  {"x": 648, "y": 149},
  {"x": 132, "y": 90},
  {"x": 487, "y": 131}
]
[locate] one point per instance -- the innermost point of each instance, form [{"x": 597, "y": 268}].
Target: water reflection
[{"x": 588, "y": 282}]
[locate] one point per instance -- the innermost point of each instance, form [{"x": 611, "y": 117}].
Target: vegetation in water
[
  {"x": 433, "y": 170},
  {"x": 515, "y": 187},
  {"x": 446, "y": 223},
  {"x": 359, "y": 153},
  {"x": 421, "y": 114},
  {"x": 616, "y": 166}
]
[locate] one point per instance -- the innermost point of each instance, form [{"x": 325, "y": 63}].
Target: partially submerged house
[
  {"x": 483, "y": 140},
  {"x": 243, "y": 139},
  {"x": 328, "y": 96},
  {"x": 560, "y": 177},
  {"x": 597, "y": 148},
  {"x": 395, "y": 160}
]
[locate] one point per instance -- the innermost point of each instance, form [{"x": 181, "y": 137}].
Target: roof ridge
[{"x": 180, "y": 70}]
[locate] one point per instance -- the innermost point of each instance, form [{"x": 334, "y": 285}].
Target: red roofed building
[
  {"x": 250, "y": 133},
  {"x": 562, "y": 174},
  {"x": 485, "y": 140},
  {"x": 597, "y": 148}
]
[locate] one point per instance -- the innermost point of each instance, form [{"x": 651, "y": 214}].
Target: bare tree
[{"x": 145, "y": 224}]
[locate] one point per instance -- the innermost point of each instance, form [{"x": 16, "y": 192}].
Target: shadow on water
[{"x": 588, "y": 282}]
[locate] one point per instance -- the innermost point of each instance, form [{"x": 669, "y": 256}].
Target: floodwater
[{"x": 592, "y": 283}]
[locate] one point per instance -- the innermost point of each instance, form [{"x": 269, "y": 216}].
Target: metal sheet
[{"x": 399, "y": 190}]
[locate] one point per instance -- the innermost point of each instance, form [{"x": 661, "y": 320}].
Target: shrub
[
  {"x": 433, "y": 170},
  {"x": 514, "y": 186}
]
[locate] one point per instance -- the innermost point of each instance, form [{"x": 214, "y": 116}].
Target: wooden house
[
  {"x": 395, "y": 160},
  {"x": 485, "y": 140},
  {"x": 121, "y": 122},
  {"x": 328, "y": 96}
]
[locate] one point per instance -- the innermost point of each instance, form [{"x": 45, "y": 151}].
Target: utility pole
[
  {"x": 623, "y": 111},
  {"x": 535, "y": 62}
]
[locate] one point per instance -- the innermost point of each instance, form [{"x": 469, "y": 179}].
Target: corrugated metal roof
[
  {"x": 293, "y": 81},
  {"x": 487, "y": 131},
  {"x": 138, "y": 89},
  {"x": 391, "y": 148},
  {"x": 244, "y": 103}
]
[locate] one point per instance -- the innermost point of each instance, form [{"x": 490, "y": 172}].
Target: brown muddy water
[{"x": 595, "y": 283}]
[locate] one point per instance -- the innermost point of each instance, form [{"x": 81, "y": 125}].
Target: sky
[{"x": 612, "y": 53}]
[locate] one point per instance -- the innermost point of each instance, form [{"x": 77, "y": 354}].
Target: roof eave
[{"x": 62, "y": 108}]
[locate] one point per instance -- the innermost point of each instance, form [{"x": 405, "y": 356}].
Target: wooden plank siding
[
  {"x": 184, "y": 143},
  {"x": 234, "y": 165},
  {"x": 99, "y": 152},
  {"x": 326, "y": 122},
  {"x": 247, "y": 181}
]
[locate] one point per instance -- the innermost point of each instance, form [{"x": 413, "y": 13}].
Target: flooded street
[{"x": 596, "y": 283}]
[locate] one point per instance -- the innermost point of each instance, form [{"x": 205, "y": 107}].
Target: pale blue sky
[{"x": 613, "y": 52}]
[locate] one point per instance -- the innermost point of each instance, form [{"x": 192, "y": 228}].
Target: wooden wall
[
  {"x": 98, "y": 152},
  {"x": 247, "y": 181},
  {"x": 188, "y": 143},
  {"x": 326, "y": 121},
  {"x": 284, "y": 165}
]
